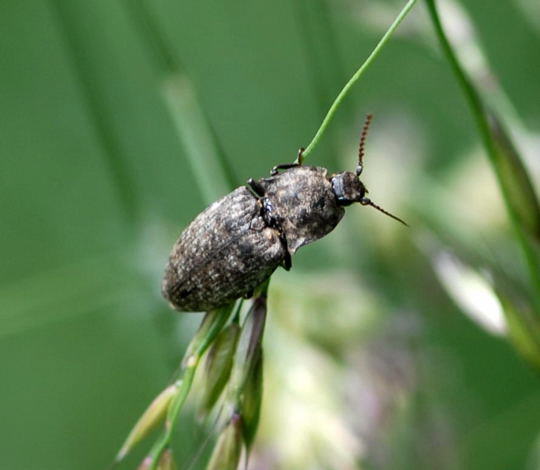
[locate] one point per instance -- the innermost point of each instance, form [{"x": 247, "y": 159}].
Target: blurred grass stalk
[
  {"x": 519, "y": 197},
  {"x": 194, "y": 131},
  {"x": 192, "y": 126},
  {"x": 523, "y": 327}
]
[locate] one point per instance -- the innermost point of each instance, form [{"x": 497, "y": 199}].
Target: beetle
[{"x": 239, "y": 241}]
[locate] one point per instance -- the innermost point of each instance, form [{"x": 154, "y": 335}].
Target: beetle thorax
[{"x": 304, "y": 201}]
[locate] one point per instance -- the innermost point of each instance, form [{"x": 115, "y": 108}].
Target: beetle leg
[
  {"x": 300, "y": 157},
  {"x": 271, "y": 221},
  {"x": 287, "y": 261},
  {"x": 285, "y": 166},
  {"x": 255, "y": 187}
]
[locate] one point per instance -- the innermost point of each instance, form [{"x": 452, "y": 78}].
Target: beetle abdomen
[{"x": 225, "y": 253}]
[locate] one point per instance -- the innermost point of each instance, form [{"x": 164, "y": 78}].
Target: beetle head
[{"x": 348, "y": 188}]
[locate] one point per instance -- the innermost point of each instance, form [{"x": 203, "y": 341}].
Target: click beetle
[{"x": 239, "y": 241}]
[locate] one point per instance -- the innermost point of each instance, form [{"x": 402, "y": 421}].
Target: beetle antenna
[
  {"x": 362, "y": 148},
  {"x": 368, "y": 202}
]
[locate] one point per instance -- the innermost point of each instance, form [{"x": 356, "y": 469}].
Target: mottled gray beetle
[{"x": 239, "y": 240}]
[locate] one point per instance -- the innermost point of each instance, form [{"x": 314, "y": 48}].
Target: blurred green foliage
[{"x": 96, "y": 184}]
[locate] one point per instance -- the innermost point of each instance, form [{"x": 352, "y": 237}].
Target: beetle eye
[{"x": 363, "y": 190}]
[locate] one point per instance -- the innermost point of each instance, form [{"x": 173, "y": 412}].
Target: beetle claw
[
  {"x": 283, "y": 166},
  {"x": 255, "y": 187},
  {"x": 287, "y": 261}
]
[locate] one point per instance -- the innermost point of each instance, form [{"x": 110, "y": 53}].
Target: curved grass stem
[
  {"x": 346, "y": 89},
  {"x": 481, "y": 118}
]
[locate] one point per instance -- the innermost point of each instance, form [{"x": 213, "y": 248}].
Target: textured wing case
[{"x": 224, "y": 254}]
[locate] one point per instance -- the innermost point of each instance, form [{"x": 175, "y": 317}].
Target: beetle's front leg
[
  {"x": 287, "y": 260},
  {"x": 285, "y": 166},
  {"x": 256, "y": 188},
  {"x": 271, "y": 221}
]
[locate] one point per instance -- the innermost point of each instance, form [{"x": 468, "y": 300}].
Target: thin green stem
[
  {"x": 343, "y": 93},
  {"x": 471, "y": 94},
  {"x": 481, "y": 118},
  {"x": 172, "y": 416}
]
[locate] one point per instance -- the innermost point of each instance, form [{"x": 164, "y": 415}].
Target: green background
[{"x": 96, "y": 183}]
